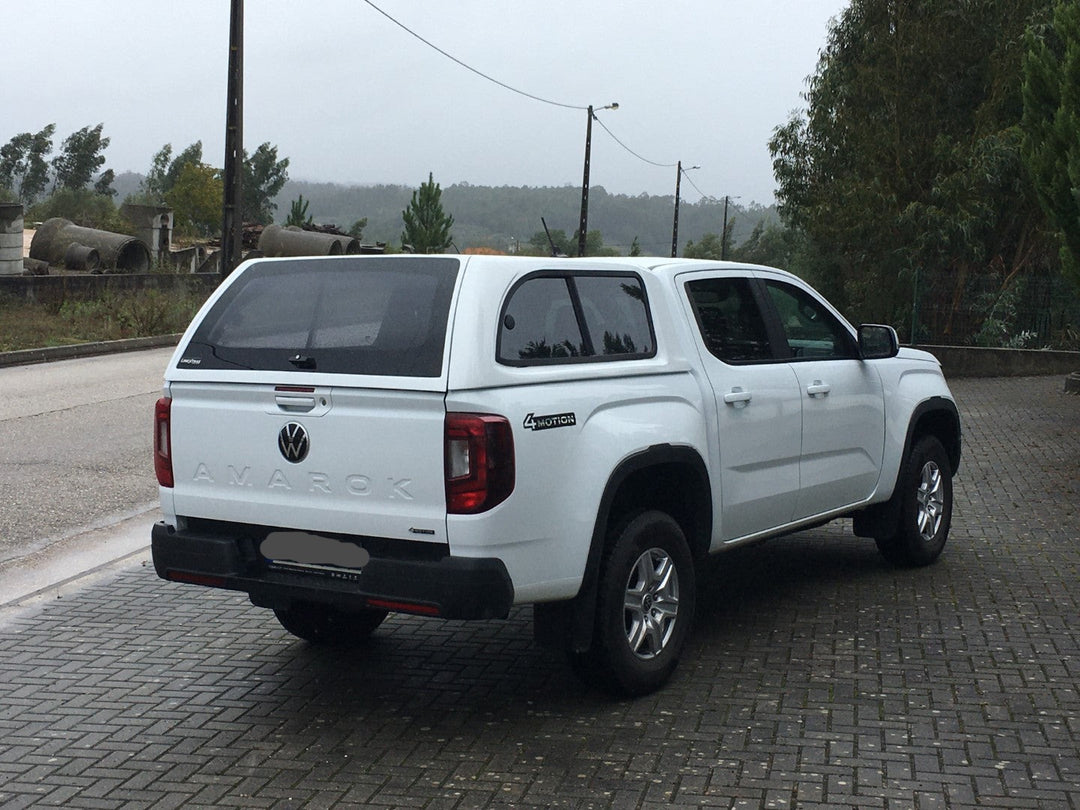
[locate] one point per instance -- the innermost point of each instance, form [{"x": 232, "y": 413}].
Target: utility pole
[
  {"x": 583, "y": 224},
  {"x": 723, "y": 234},
  {"x": 675, "y": 222},
  {"x": 232, "y": 221}
]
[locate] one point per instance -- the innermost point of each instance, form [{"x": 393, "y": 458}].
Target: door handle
[
  {"x": 295, "y": 404},
  {"x": 818, "y": 389},
  {"x": 737, "y": 396}
]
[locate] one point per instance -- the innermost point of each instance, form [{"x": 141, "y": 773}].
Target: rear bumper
[{"x": 451, "y": 587}]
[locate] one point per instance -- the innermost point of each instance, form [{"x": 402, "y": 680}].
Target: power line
[
  {"x": 479, "y": 73},
  {"x": 693, "y": 186},
  {"x": 631, "y": 151},
  {"x": 506, "y": 86}
]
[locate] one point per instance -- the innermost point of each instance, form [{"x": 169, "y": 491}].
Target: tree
[
  {"x": 165, "y": 170},
  {"x": 196, "y": 199},
  {"x": 264, "y": 176},
  {"x": 635, "y": 247},
  {"x": 769, "y": 244},
  {"x": 709, "y": 247},
  {"x": 1051, "y": 126},
  {"x": 80, "y": 158},
  {"x": 23, "y": 168},
  {"x": 155, "y": 185},
  {"x": 356, "y": 230},
  {"x": 298, "y": 213},
  {"x": 103, "y": 185},
  {"x": 427, "y": 227},
  {"x": 82, "y": 206},
  {"x": 903, "y": 175}
]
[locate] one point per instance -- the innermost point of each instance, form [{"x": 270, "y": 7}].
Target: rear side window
[
  {"x": 567, "y": 317},
  {"x": 346, "y": 316}
]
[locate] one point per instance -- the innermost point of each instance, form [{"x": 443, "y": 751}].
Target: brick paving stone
[{"x": 817, "y": 677}]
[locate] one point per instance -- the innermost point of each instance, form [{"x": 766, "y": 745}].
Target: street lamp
[
  {"x": 583, "y": 226},
  {"x": 675, "y": 223}
]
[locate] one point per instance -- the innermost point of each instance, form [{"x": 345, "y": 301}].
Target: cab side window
[
  {"x": 809, "y": 329},
  {"x": 730, "y": 320}
]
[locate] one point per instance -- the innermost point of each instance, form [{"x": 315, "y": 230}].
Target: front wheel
[
  {"x": 644, "y": 608},
  {"x": 925, "y": 508},
  {"x": 321, "y": 624}
]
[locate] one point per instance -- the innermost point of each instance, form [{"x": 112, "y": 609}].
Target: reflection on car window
[
  {"x": 615, "y": 314},
  {"x": 729, "y": 319},
  {"x": 554, "y": 318},
  {"x": 811, "y": 331}
]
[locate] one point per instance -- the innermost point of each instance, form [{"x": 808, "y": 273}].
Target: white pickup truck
[{"x": 452, "y": 436}]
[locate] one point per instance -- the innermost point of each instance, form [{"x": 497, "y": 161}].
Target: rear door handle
[
  {"x": 737, "y": 396},
  {"x": 818, "y": 389},
  {"x": 294, "y": 404}
]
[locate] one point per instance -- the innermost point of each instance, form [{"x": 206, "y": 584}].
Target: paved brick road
[{"x": 817, "y": 677}]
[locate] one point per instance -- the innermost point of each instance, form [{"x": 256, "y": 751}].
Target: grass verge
[{"x": 113, "y": 316}]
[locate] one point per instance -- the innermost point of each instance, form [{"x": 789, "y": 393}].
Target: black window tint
[
  {"x": 615, "y": 313},
  {"x": 811, "y": 331},
  {"x": 730, "y": 320},
  {"x": 539, "y": 323},
  {"x": 350, "y": 316}
]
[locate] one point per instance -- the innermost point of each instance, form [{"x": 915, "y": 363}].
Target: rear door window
[
  {"x": 730, "y": 320},
  {"x": 346, "y": 316},
  {"x": 567, "y": 317}
]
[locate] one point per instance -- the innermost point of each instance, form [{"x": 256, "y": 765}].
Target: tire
[
  {"x": 926, "y": 503},
  {"x": 644, "y": 609},
  {"x": 320, "y": 624}
]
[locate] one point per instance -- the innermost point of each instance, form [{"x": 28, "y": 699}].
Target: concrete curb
[{"x": 25, "y": 357}]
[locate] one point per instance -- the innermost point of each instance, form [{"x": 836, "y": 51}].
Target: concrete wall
[
  {"x": 51, "y": 289},
  {"x": 971, "y": 361}
]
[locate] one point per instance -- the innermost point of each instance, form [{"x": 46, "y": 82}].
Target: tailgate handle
[{"x": 294, "y": 403}]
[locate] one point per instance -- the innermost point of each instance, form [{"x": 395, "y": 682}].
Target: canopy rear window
[{"x": 356, "y": 315}]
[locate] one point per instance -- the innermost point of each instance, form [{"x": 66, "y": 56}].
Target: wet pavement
[{"x": 817, "y": 676}]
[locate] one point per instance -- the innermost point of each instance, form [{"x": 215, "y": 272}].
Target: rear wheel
[
  {"x": 321, "y": 624},
  {"x": 925, "y": 508},
  {"x": 644, "y": 607}
]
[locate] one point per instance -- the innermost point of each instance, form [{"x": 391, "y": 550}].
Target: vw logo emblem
[{"x": 292, "y": 441}]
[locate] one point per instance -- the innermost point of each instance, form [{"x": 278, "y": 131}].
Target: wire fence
[{"x": 1037, "y": 311}]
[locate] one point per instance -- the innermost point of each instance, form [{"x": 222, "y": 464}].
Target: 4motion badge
[{"x": 554, "y": 420}]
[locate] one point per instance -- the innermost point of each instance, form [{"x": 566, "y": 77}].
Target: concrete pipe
[
  {"x": 115, "y": 251},
  {"x": 292, "y": 241},
  {"x": 11, "y": 239},
  {"x": 35, "y": 267},
  {"x": 81, "y": 257}
]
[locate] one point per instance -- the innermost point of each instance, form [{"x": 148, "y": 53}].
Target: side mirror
[{"x": 877, "y": 342}]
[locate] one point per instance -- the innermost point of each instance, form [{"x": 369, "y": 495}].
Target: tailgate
[{"x": 321, "y": 459}]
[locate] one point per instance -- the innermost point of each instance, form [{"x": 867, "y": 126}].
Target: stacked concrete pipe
[
  {"x": 11, "y": 239},
  {"x": 294, "y": 241},
  {"x": 114, "y": 251}
]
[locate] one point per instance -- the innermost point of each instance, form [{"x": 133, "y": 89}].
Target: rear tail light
[
  {"x": 479, "y": 462},
  {"x": 163, "y": 442}
]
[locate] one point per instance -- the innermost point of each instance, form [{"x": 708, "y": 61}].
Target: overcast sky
[{"x": 349, "y": 97}]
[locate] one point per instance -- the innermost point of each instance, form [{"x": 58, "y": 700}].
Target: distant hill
[
  {"x": 487, "y": 216},
  {"x": 499, "y": 216}
]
